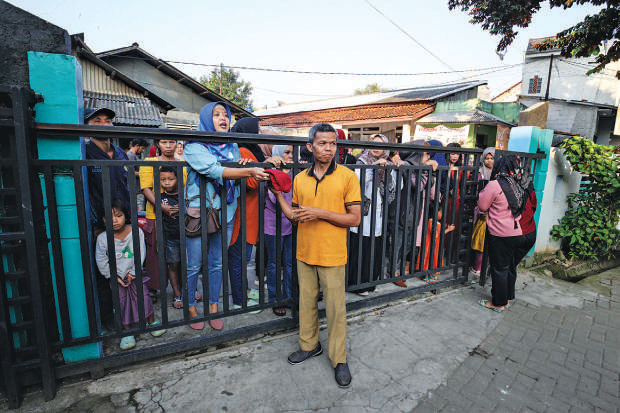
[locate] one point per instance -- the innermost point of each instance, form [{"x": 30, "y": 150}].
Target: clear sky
[{"x": 317, "y": 35}]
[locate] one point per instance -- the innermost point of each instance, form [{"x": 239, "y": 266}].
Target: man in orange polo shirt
[{"x": 326, "y": 201}]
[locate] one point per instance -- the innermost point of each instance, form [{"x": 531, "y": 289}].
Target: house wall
[
  {"x": 569, "y": 117},
  {"x": 569, "y": 80},
  {"x": 181, "y": 96},
  {"x": 560, "y": 182}
]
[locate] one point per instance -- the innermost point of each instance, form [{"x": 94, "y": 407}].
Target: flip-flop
[{"x": 484, "y": 304}]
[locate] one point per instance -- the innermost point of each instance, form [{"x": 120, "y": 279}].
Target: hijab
[
  {"x": 368, "y": 158},
  {"x": 249, "y": 125},
  {"x": 437, "y": 156},
  {"x": 484, "y": 171},
  {"x": 514, "y": 181},
  {"x": 278, "y": 150},
  {"x": 220, "y": 151},
  {"x": 413, "y": 157}
]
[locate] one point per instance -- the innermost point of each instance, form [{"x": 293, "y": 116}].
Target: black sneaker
[
  {"x": 343, "y": 375},
  {"x": 300, "y": 356}
]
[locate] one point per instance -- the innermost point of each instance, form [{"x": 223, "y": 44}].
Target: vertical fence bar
[
  {"x": 224, "y": 234},
  {"x": 243, "y": 199},
  {"x": 135, "y": 234},
  {"x": 360, "y": 228},
  {"x": 396, "y": 236},
  {"x": 373, "y": 220},
  {"x": 159, "y": 233},
  {"x": 107, "y": 202},
  {"x": 87, "y": 249},
  {"x": 405, "y": 247},
  {"x": 384, "y": 216},
  {"x": 260, "y": 245},
  {"x": 59, "y": 270},
  {"x": 182, "y": 273},
  {"x": 416, "y": 214}
]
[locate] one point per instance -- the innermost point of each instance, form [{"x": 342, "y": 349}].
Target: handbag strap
[{"x": 187, "y": 201}]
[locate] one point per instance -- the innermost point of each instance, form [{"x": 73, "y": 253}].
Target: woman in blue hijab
[{"x": 206, "y": 159}]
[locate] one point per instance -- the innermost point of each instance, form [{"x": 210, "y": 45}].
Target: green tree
[
  {"x": 501, "y": 17},
  {"x": 370, "y": 88},
  {"x": 588, "y": 229},
  {"x": 234, "y": 88}
]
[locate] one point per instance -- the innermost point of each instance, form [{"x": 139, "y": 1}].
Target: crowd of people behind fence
[{"x": 365, "y": 252}]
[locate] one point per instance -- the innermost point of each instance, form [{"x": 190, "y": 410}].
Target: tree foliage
[
  {"x": 370, "y": 88},
  {"x": 501, "y": 17},
  {"x": 234, "y": 88},
  {"x": 588, "y": 229}
]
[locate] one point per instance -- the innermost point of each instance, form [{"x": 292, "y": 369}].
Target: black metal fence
[{"x": 408, "y": 215}]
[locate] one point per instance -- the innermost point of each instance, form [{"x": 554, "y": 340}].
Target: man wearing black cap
[
  {"x": 102, "y": 149},
  {"x": 98, "y": 149}
]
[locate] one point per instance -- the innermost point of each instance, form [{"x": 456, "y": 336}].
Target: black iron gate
[{"x": 35, "y": 322}]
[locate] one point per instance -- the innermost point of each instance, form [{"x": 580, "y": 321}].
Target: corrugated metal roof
[
  {"x": 95, "y": 79},
  {"x": 475, "y": 116},
  {"x": 130, "y": 110},
  {"x": 428, "y": 93}
]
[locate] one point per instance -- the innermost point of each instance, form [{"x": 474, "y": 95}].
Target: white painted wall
[
  {"x": 561, "y": 182},
  {"x": 569, "y": 80}
]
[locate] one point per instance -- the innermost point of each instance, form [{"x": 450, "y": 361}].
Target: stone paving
[
  {"x": 542, "y": 358},
  {"x": 430, "y": 353}
]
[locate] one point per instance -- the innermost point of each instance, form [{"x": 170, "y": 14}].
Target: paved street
[{"x": 554, "y": 350}]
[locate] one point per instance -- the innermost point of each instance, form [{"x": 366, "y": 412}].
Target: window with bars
[{"x": 535, "y": 85}]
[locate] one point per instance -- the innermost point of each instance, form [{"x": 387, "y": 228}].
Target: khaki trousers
[{"x": 332, "y": 281}]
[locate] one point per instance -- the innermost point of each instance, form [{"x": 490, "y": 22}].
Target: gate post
[{"x": 59, "y": 79}]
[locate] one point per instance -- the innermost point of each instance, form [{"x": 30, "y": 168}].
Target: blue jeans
[
  {"x": 287, "y": 266},
  {"x": 235, "y": 270},
  {"x": 214, "y": 267}
]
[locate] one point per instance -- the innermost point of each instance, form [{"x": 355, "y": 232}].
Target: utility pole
[
  {"x": 549, "y": 79},
  {"x": 222, "y": 71}
]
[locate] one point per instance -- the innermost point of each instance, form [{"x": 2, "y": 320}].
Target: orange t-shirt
[{"x": 251, "y": 207}]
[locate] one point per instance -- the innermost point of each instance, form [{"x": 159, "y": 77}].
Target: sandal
[
  {"x": 177, "y": 302},
  {"x": 483, "y": 303},
  {"x": 279, "y": 311}
]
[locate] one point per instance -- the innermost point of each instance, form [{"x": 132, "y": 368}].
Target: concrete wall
[
  {"x": 21, "y": 32},
  {"x": 561, "y": 182},
  {"x": 568, "y": 117},
  {"x": 181, "y": 96}
]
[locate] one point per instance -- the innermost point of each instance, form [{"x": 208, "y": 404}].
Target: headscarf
[
  {"x": 220, "y": 151},
  {"x": 514, "y": 181},
  {"x": 278, "y": 150},
  {"x": 484, "y": 171},
  {"x": 342, "y": 151},
  {"x": 367, "y": 157},
  {"x": 459, "y": 162},
  {"x": 437, "y": 156},
  {"x": 413, "y": 157},
  {"x": 249, "y": 125}
]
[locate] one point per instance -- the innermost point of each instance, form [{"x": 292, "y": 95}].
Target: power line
[
  {"x": 410, "y": 36},
  {"x": 309, "y": 72}
]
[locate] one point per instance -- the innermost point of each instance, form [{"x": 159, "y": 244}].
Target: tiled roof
[
  {"x": 369, "y": 113},
  {"x": 130, "y": 110},
  {"x": 429, "y": 93},
  {"x": 475, "y": 116}
]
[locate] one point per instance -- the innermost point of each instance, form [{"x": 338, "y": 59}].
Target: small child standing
[
  {"x": 427, "y": 248},
  {"x": 170, "y": 208},
  {"x": 126, "y": 272}
]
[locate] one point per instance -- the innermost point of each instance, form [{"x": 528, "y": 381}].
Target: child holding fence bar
[
  {"x": 172, "y": 242},
  {"x": 125, "y": 272}
]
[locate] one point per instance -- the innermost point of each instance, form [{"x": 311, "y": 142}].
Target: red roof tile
[{"x": 381, "y": 111}]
